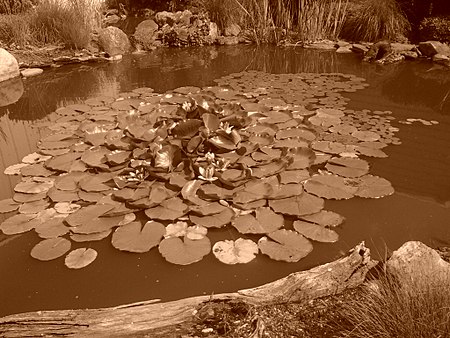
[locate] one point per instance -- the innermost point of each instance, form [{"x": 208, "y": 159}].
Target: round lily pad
[
  {"x": 234, "y": 252},
  {"x": 184, "y": 251},
  {"x": 285, "y": 245},
  {"x": 51, "y": 248},
  {"x": 80, "y": 258},
  {"x": 134, "y": 237}
]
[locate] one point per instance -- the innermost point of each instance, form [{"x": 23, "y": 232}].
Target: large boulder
[
  {"x": 145, "y": 34},
  {"x": 232, "y": 30},
  {"x": 10, "y": 91},
  {"x": 430, "y": 48},
  {"x": 9, "y": 67},
  {"x": 414, "y": 262},
  {"x": 113, "y": 41}
]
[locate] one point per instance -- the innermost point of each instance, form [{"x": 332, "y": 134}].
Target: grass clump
[
  {"x": 69, "y": 22},
  {"x": 373, "y": 20},
  {"x": 387, "y": 309}
]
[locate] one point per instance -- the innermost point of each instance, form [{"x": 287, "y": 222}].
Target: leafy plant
[{"x": 435, "y": 28}]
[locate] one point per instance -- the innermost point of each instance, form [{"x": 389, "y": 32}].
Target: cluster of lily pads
[{"x": 162, "y": 170}]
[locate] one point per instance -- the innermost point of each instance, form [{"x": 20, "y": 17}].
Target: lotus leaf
[
  {"x": 208, "y": 208},
  {"x": 169, "y": 210},
  {"x": 52, "y": 228},
  {"x": 50, "y": 248},
  {"x": 134, "y": 237},
  {"x": 96, "y": 157},
  {"x": 196, "y": 232},
  {"x": 80, "y": 258},
  {"x": 95, "y": 183},
  {"x": 296, "y": 133},
  {"x": 300, "y": 205},
  {"x": 189, "y": 192},
  {"x": 66, "y": 207},
  {"x": 316, "y": 232},
  {"x": 287, "y": 190},
  {"x": 366, "y": 135},
  {"x": 87, "y": 214},
  {"x": 285, "y": 245},
  {"x": 57, "y": 195},
  {"x": 329, "y": 147},
  {"x": 234, "y": 252},
  {"x": 184, "y": 251},
  {"x": 35, "y": 158},
  {"x": 348, "y": 167},
  {"x": 98, "y": 224},
  {"x": 8, "y": 205},
  {"x": 62, "y": 162},
  {"x": 293, "y": 176},
  {"x": 325, "y": 218},
  {"x": 215, "y": 220},
  {"x": 34, "y": 186},
  {"x": 24, "y": 198},
  {"x": 330, "y": 186},
  {"x": 69, "y": 182},
  {"x": 264, "y": 221},
  {"x": 370, "y": 186},
  {"x": 96, "y": 236},
  {"x": 371, "y": 152},
  {"x": 34, "y": 207},
  {"x": 302, "y": 158},
  {"x": 15, "y": 169},
  {"x": 36, "y": 169},
  {"x": 20, "y": 223}
]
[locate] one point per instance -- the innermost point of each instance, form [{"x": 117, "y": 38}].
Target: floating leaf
[
  {"x": 184, "y": 251},
  {"x": 52, "y": 228},
  {"x": 57, "y": 195},
  {"x": 51, "y": 248},
  {"x": 286, "y": 245},
  {"x": 264, "y": 222},
  {"x": 366, "y": 136},
  {"x": 348, "y": 167},
  {"x": 302, "y": 204},
  {"x": 35, "y": 158},
  {"x": 33, "y": 207},
  {"x": 8, "y": 205},
  {"x": 330, "y": 186},
  {"x": 18, "y": 224},
  {"x": 80, "y": 258},
  {"x": 62, "y": 162},
  {"x": 36, "y": 169},
  {"x": 134, "y": 237},
  {"x": 169, "y": 210},
  {"x": 177, "y": 229},
  {"x": 95, "y": 225},
  {"x": 370, "y": 186},
  {"x": 87, "y": 214},
  {"x": 234, "y": 252},
  {"x": 316, "y": 232},
  {"x": 95, "y": 236},
  {"x": 66, "y": 207},
  {"x": 214, "y": 220},
  {"x": 34, "y": 186},
  {"x": 15, "y": 169},
  {"x": 325, "y": 218}
]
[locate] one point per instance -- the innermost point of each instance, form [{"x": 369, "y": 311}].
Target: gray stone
[
  {"x": 359, "y": 48},
  {"x": 213, "y": 32},
  {"x": 401, "y": 47},
  {"x": 344, "y": 49},
  {"x": 10, "y": 91},
  {"x": 227, "y": 40},
  {"x": 111, "y": 19},
  {"x": 441, "y": 59},
  {"x": 145, "y": 34},
  {"x": 324, "y": 45},
  {"x": 9, "y": 67},
  {"x": 232, "y": 30},
  {"x": 430, "y": 48},
  {"x": 414, "y": 262},
  {"x": 29, "y": 72},
  {"x": 183, "y": 18},
  {"x": 342, "y": 43},
  {"x": 113, "y": 41},
  {"x": 410, "y": 54}
]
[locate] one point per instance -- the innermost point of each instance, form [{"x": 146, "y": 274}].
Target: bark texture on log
[{"x": 153, "y": 319}]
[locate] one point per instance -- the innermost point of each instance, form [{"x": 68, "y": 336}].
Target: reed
[
  {"x": 388, "y": 310},
  {"x": 15, "y": 28},
  {"x": 373, "y": 20}
]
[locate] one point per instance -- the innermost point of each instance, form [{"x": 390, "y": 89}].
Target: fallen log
[{"x": 171, "y": 319}]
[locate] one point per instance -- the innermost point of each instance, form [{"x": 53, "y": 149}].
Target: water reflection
[{"x": 10, "y": 91}]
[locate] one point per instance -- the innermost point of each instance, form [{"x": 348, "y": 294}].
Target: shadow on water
[{"x": 418, "y": 169}]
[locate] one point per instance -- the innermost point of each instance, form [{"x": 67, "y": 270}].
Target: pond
[{"x": 418, "y": 167}]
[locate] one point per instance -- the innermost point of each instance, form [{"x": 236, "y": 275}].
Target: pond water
[{"x": 418, "y": 168}]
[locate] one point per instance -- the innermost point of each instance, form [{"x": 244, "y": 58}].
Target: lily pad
[
  {"x": 134, "y": 237},
  {"x": 215, "y": 220},
  {"x": 52, "y": 228},
  {"x": 80, "y": 258},
  {"x": 234, "y": 252},
  {"x": 20, "y": 223},
  {"x": 87, "y": 214},
  {"x": 34, "y": 186},
  {"x": 302, "y": 204},
  {"x": 348, "y": 167},
  {"x": 169, "y": 210},
  {"x": 264, "y": 221},
  {"x": 330, "y": 186},
  {"x": 370, "y": 186},
  {"x": 51, "y": 248},
  {"x": 96, "y": 236},
  {"x": 325, "y": 218},
  {"x": 285, "y": 245},
  {"x": 184, "y": 251},
  {"x": 316, "y": 232},
  {"x": 8, "y": 205}
]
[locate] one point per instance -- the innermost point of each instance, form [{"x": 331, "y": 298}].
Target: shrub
[
  {"x": 15, "y": 6},
  {"x": 373, "y": 20},
  {"x": 16, "y": 29},
  {"x": 389, "y": 310},
  {"x": 435, "y": 28}
]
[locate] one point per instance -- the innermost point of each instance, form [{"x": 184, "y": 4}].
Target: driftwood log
[{"x": 170, "y": 319}]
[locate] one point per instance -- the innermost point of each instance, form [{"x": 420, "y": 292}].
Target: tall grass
[
  {"x": 391, "y": 310},
  {"x": 69, "y": 22},
  {"x": 373, "y": 20}
]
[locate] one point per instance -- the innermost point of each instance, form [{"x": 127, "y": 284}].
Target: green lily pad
[
  {"x": 302, "y": 204},
  {"x": 348, "y": 167},
  {"x": 330, "y": 186},
  {"x": 325, "y": 218}
]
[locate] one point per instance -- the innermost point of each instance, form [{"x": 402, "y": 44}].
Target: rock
[
  {"x": 441, "y": 59},
  {"x": 111, "y": 19},
  {"x": 378, "y": 51},
  {"x": 183, "y": 18},
  {"x": 232, "y": 30},
  {"x": 145, "y": 34},
  {"x": 410, "y": 54},
  {"x": 430, "y": 48},
  {"x": 342, "y": 43},
  {"x": 401, "y": 47},
  {"x": 113, "y": 41},
  {"x": 213, "y": 32},
  {"x": 359, "y": 48},
  {"x": 10, "y": 91},
  {"x": 414, "y": 262},
  {"x": 227, "y": 40},
  {"x": 117, "y": 57},
  {"x": 9, "y": 67},
  {"x": 344, "y": 49},
  {"x": 162, "y": 18},
  {"x": 29, "y": 72},
  {"x": 324, "y": 45}
]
